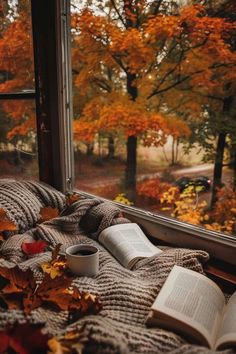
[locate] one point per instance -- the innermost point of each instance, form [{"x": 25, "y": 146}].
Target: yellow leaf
[
  {"x": 55, "y": 347},
  {"x": 55, "y": 269}
]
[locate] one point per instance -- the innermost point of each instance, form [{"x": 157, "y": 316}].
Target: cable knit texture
[{"x": 126, "y": 295}]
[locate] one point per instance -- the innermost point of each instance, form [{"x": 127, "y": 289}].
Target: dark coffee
[{"x": 83, "y": 253}]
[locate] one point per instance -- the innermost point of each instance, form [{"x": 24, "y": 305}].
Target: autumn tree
[
  {"x": 215, "y": 130},
  {"x": 152, "y": 48},
  {"x": 16, "y": 61}
]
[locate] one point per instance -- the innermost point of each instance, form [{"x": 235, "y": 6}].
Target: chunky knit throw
[{"x": 126, "y": 295}]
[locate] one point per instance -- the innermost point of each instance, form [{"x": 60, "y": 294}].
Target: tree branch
[{"x": 117, "y": 12}]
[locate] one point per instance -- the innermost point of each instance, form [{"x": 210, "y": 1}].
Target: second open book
[
  {"x": 127, "y": 243},
  {"x": 191, "y": 304}
]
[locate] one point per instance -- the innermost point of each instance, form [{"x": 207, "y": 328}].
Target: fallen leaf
[
  {"x": 72, "y": 198},
  {"x": 72, "y": 342},
  {"x": 4, "y": 340},
  {"x": 15, "y": 286},
  {"x": 47, "y": 213},
  {"x": 55, "y": 251},
  {"x": 15, "y": 279},
  {"x": 56, "y": 347},
  {"x": 55, "y": 269},
  {"x": 57, "y": 265},
  {"x": 20, "y": 290},
  {"x": 23, "y": 339},
  {"x": 5, "y": 223},
  {"x": 33, "y": 247}
]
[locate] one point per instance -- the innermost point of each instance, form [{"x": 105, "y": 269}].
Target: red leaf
[
  {"x": 23, "y": 339},
  {"x": 4, "y": 340},
  {"x": 33, "y": 247}
]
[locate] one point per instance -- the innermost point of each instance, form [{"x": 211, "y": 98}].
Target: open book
[
  {"x": 127, "y": 243},
  {"x": 193, "y": 305}
]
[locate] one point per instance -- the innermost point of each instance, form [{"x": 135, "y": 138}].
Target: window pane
[
  {"x": 16, "y": 51},
  {"x": 18, "y": 147},
  {"x": 154, "y": 97}
]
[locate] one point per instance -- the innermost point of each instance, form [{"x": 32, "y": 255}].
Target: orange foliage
[
  {"x": 223, "y": 216},
  {"x": 154, "y": 190},
  {"x": 16, "y": 59},
  {"x": 161, "y": 52},
  {"x": 186, "y": 207},
  {"x": 115, "y": 114}
]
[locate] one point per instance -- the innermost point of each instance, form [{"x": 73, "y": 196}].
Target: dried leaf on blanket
[
  {"x": 31, "y": 248},
  {"x": 5, "y": 224},
  {"x": 57, "y": 266},
  {"x": 72, "y": 198},
  {"x": 23, "y": 339},
  {"x": 20, "y": 290},
  {"x": 47, "y": 213},
  {"x": 72, "y": 342}
]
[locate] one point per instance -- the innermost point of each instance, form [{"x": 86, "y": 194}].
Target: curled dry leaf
[
  {"x": 47, "y": 213},
  {"x": 57, "y": 265},
  {"x": 56, "y": 347},
  {"x": 72, "y": 342},
  {"x": 72, "y": 198},
  {"x": 23, "y": 339},
  {"x": 5, "y": 223},
  {"x": 15, "y": 286},
  {"x": 31, "y": 248}
]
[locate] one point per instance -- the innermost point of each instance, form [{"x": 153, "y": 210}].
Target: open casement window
[
  {"x": 152, "y": 109},
  {"x": 128, "y": 122},
  {"x": 18, "y": 142}
]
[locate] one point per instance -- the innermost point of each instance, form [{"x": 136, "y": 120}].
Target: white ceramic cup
[{"x": 83, "y": 260}]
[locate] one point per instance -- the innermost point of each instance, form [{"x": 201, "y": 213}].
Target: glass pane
[
  {"x": 154, "y": 107},
  {"x": 16, "y": 51},
  {"x": 18, "y": 147}
]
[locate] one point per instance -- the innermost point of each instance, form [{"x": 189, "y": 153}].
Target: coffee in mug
[{"x": 83, "y": 260}]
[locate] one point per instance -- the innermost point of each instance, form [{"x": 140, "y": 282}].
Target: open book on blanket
[
  {"x": 127, "y": 243},
  {"x": 191, "y": 304}
]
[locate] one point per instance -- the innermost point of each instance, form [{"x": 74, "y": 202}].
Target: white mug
[{"x": 83, "y": 260}]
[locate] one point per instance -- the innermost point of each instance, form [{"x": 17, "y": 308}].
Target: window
[
  {"x": 154, "y": 98},
  {"x": 18, "y": 146},
  {"x": 131, "y": 97}
]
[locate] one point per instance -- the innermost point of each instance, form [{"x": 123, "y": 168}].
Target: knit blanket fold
[{"x": 126, "y": 295}]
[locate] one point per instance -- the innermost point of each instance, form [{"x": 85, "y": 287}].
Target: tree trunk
[
  {"x": 177, "y": 150},
  {"x": 131, "y": 159},
  {"x": 234, "y": 167},
  {"x": 131, "y": 164},
  {"x": 173, "y": 152},
  {"x": 220, "y": 153},
  {"x": 90, "y": 148},
  {"x": 111, "y": 147},
  {"x": 218, "y": 167}
]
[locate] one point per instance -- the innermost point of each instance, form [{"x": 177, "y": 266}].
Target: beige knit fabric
[{"x": 126, "y": 295}]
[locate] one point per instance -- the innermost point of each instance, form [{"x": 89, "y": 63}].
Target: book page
[
  {"x": 127, "y": 243},
  {"x": 193, "y": 299},
  {"x": 227, "y": 333}
]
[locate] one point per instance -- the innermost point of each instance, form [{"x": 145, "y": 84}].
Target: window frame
[
  {"x": 51, "y": 37},
  {"x": 51, "y": 43}
]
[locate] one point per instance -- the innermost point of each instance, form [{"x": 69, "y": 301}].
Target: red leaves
[
  {"x": 31, "y": 248},
  {"x": 23, "y": 339}
]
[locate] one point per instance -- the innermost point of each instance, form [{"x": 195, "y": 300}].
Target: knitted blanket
[{"x": 126, "y": 295}]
